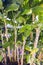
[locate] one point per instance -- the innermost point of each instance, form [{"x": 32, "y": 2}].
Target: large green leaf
[
  {"x": 25, "y": 28},
  {"x": 27, "y": 33},
  {"x": 12, "y": 7}
]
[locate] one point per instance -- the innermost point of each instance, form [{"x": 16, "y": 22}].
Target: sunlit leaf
[
  {"x": 27, "y": 12},
  {"x": 25, "y": 28},
  {"x": 28, "y": 48},
  {"x": 34, "y": 50}
]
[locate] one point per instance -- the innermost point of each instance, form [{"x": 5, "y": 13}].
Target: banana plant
[{"x": 27, "y": 16}]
